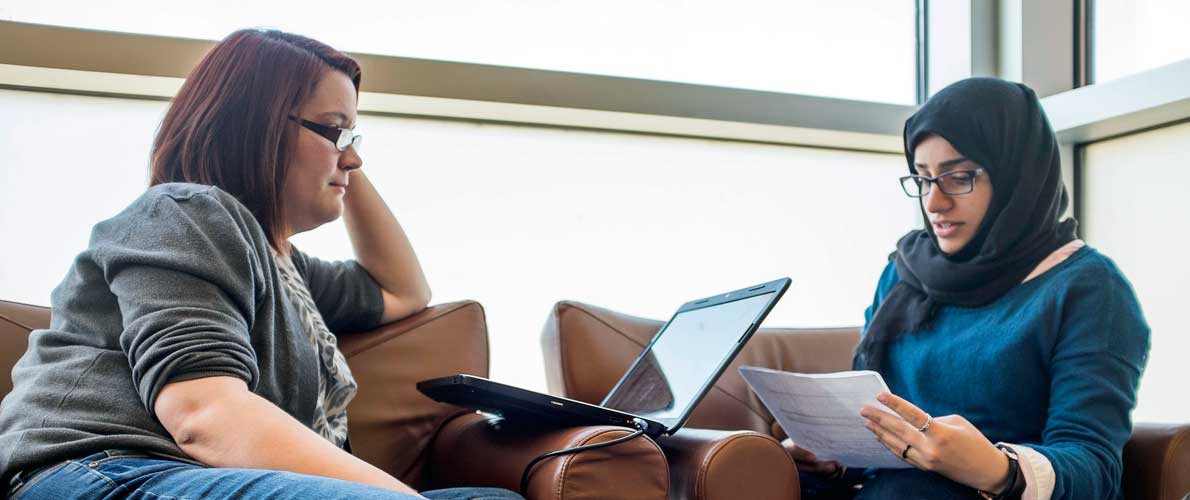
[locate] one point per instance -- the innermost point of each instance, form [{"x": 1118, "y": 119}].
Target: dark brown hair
[{"x": 227, "y": 125}]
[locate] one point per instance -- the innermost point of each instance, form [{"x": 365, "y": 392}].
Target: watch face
[
  {"x": 1008, "y": 450},
  {"x": 1013, "y": 470}
]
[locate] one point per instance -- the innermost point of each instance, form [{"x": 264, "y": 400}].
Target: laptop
[{"x": 660, "y": 389}]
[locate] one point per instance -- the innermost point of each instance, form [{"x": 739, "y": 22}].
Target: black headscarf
[{"x": 1000, "y": 126}]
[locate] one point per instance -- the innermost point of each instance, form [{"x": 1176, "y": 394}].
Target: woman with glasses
[
  {"x": 191, "y": 352},
  {"x": 1012, "y": 350}
]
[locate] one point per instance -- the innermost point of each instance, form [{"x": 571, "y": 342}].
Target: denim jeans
[
  {"x": 885, "y": 484},
  {"x": 113, "y": 475}
]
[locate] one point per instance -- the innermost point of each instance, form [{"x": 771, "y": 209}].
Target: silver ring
[{"x": 926, "y": 426}]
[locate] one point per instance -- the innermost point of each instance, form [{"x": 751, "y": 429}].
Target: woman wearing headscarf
[{"x": 1025, "y": 344}]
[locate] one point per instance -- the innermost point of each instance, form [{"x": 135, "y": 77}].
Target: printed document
[{"x": 820, "y": 412}]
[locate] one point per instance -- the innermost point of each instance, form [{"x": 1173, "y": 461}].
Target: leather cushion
[{"x": 588, "y": 349}]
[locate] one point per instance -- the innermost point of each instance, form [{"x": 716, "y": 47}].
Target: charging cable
[{"x": 636, "y": 422}]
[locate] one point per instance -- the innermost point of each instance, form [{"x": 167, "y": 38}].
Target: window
[
  {"x": 1134, "y": 211},
  {"x": 862, "y": 49},
  {"x": 1131, "y": 36},
  {"x": 516, "y": 217}
]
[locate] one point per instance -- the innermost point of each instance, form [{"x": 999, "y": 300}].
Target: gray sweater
[{"x": 178, "y": 286}]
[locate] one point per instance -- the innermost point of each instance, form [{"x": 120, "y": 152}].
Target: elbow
[
  {"x": 419, "y": 302},
  {"x": 417, "y": 297},
  {"x": 192, "y": 438},
  {"x": 423, "y": 300},
  {"x": 398, "y": 307},
  {"x": 187, "y": 423},
  {"x": 197, "y": 436},
  {"x": 192, "y": 412}
]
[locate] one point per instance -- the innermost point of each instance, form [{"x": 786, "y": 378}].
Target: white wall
[
  {"x": 66, "y": 162},
  {"x": 521, "y": 217},
  {"x": 514, "y": 217},
  {"x": 1136, "y": 213}
]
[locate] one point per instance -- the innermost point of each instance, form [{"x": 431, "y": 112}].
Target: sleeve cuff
[{"x": 1038, "y": 471}]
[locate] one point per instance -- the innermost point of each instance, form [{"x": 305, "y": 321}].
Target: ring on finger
[
  {"x": 905, "y": 453},
  {"x": 926, "y": 426}
]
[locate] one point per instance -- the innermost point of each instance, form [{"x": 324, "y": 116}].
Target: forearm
[
  {"x": 243, "y": 430},
  {"x": 381, "y": 247}
]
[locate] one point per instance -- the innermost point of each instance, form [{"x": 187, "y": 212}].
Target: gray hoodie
[{"x": 178, "y": 286}]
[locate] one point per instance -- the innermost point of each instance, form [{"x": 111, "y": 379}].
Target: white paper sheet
[{"x": 820, "y": 412}]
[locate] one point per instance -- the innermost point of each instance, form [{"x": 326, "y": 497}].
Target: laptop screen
[{"x": 670, "y": 377}]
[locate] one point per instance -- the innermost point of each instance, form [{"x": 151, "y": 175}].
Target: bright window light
[
  {"x": 855, "y": 49},
  {"x": 1131, "y": 36}
]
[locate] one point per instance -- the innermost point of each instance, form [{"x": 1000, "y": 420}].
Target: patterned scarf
[{"x": 336, "y": 386}]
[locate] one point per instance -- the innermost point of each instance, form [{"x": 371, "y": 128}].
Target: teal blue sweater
[{"x": 1053, "y": 364}]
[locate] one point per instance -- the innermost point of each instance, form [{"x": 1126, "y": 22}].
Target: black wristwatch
[{"x": 1016, "y": 481}]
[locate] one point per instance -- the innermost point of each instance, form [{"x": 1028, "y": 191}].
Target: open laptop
[{"x": 661, "y": 388}]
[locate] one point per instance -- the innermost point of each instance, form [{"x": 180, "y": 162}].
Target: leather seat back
[
  {"x": 16, "y": 321},
  {"x": 587, "y": 349}
]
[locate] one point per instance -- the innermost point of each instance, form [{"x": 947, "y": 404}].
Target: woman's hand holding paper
[
  {"x": 948, "y": 445},
  {"x": 808, "y": 462}
]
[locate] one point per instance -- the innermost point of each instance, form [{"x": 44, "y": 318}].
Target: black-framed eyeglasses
[
  {"x": 955, "y": 182},
  {"x": 342, "y": 138}
]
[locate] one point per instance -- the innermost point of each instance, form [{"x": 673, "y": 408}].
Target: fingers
[
  {"x": 888, "y": 443},
  {"x": 819, "y": 467},
  {"x": 798, "y": 453},
  {"x": 891, "y": 424},
  {"x": 896, "y": 445},
  {"x": 908, "y": 411},
  {"x": 807, "y": 461}
]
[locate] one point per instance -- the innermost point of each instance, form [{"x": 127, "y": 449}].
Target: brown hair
[{"x": 227, "y": 125}]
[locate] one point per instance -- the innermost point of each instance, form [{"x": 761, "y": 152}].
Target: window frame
[
  {"x": 63, "y": 59},
  {"x": 989, "y": 42}
]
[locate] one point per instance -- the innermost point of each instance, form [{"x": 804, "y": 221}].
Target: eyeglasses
[
  {"x": 342, "y": 138},
  {"x": 955, "y": 182}
]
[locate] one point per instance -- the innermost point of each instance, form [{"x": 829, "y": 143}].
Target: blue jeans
[
  {"x": 114, "y": 475},
  {"x": 885, "y": 484},
  {"x": 912, "y": 484}
]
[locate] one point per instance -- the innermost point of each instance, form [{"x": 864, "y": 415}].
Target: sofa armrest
[
  {"x": 390, "y": 423},
  {"x": 476, "y": 450},
  {"x": 1157, "y": 462},
  {"x": 724, "y": 465}
]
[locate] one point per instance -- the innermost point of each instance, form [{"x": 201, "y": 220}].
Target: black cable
[{"x": 640, "y": 430}]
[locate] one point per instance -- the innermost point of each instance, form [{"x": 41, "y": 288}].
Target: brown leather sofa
[
  {"x": 431, "y": 445},
  {"x": 588, "y": 348}
]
